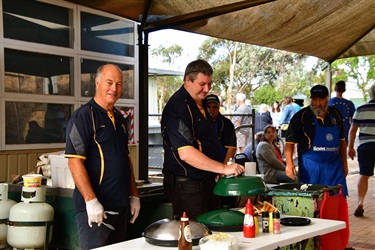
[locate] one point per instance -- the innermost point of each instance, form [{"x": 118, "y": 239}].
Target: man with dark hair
[
  {"x": 346, "y": 107},
  {"x": 364, "y": 119},
  {"x": 192, "y": 151},
  {"x": 319, "y": 132},
  {"x": 224, "y": 128}
]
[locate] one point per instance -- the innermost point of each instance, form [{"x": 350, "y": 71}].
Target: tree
[
  {"x": 244, "y": 68},
  {"x": 359, "y": 69},
  {"x": 167, "y": 85},
  {"x": 168, "y": 54}
]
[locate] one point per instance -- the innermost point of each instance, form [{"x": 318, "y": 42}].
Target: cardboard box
[{"x": 60, "y": 173}]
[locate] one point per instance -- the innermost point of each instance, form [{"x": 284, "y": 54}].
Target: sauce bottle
[
  {"x": 276, "y": 222},
  {"x": 248, "y": 223},
  {"x": 185, "y": 241}
]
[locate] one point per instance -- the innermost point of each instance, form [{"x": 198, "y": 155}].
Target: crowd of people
[{"x": 199, "y": 141}]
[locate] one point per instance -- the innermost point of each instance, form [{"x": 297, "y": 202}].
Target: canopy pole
[
  {"x": 143, "y": 104},
  {"x": 329, "y": 78}
]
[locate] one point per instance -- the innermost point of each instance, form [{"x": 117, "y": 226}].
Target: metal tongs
[
  {"x": 111, "y": 212},
  {"x": 109, "y": 225}
]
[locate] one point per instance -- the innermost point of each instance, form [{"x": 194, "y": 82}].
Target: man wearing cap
[
  {"x": 318, "y": 130},
  {"x": 224, "y": 128},
  {"x": 346, "y": 107}
]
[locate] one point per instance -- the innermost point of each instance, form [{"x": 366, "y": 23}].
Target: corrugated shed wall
[
  {"x": 19, "y": 162},
  {"x": 24, "y": 161}
]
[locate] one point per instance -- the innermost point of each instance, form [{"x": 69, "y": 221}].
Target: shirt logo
[
  {"x": 325, "y": 149},
  {"x": 329, "y": 137}
]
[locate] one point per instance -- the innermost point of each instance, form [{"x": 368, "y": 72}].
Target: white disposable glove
[
  {"x": 95, "y": 212},
  {"x": 135, "y": 206}
]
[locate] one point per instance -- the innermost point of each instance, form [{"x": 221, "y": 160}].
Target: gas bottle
[
  {"x": 5, "y": 205},
  {"x": 30, "y": 221}
]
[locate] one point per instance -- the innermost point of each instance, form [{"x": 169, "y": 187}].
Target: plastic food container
[
  {"x": 219, "y": 241},
  {"x": 32, "y": 180}
]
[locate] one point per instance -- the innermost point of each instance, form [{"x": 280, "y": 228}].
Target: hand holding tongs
[
  {"x": 111, "y": 212},
  {"x": 109, "y": 225}
]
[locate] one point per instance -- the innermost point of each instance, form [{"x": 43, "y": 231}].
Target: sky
[{"x": 190, "y": 43}]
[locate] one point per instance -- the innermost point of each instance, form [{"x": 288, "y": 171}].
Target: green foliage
[
  {"x": 266, "y": 94},
  {"x": 359, "y": 69},
  {"x": 168, "y": 54},
  {"x": 254, "y": 67},
  {"x": 166, "y": 86},
  {"x": 263, "y": 74}
]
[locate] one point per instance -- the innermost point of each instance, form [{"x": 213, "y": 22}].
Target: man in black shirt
[
  {"x": 192, "y": 153},
  {"x": 318, "y": 130}
]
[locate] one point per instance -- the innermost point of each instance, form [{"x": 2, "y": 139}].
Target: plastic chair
[
  {"x": 256, "y": 161},
  {"x": 241, "y": 158}
]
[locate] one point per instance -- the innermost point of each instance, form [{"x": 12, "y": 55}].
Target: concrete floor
[{"x": 362, "y": 229}]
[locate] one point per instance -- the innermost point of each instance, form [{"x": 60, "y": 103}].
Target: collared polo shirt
[
  {"x": 364, "y": 117},
  {"x": 226, "y": 133},
  {"x": 302, "y": 127},
  {"x": 183, "y": 125},
  {"x": 103, "y": 146}
]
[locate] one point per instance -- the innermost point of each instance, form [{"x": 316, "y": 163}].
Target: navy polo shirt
[
  {"x": 302, "y": 126},
  {"x": 226, "y": 133},
  {"x": 184, "y": 125},
  {"x": 92, "y": 136}
]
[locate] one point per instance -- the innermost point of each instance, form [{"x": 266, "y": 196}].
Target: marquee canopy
[{"x": 325, "y": 29}]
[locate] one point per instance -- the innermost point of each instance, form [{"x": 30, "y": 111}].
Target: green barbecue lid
[
  {"x": 240, "y": 186},
  {"x": 222, "y": 217}
]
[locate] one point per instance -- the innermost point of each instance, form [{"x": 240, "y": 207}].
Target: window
[
  {"x": 46, "y": 74},
  {"x": 36, "y": 73},
  {"x": 107, "y": 35},
  {"x": 37, "y": 22},
  {"x": 35, "y": 122}
]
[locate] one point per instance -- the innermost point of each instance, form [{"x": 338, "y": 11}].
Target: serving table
[{"x": 266, "y": 241}]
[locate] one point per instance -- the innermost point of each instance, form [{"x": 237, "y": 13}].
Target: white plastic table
[{"x": 288, "y": 235}]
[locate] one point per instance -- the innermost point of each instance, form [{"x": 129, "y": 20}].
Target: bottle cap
[
  {"x": 184, "y": 217},
  {"x": 248, "y": 202},
  {"x": 276, "y": 215},
  {"x": 265, "y": 214}
]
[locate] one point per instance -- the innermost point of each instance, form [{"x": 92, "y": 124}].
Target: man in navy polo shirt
[
  {"x": 97, "y": 148},
  {"x": 224, "y": 128},
  {"x": 346, "y": 107},
  {"x": 318, "y": 130},
  {"x": 192, "y": 151}
]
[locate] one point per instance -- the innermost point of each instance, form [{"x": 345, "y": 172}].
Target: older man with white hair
[{"x": 242, "y": 118}]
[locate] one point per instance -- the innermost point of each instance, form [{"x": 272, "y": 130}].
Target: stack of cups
[{"x": 250, "y": 168}]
